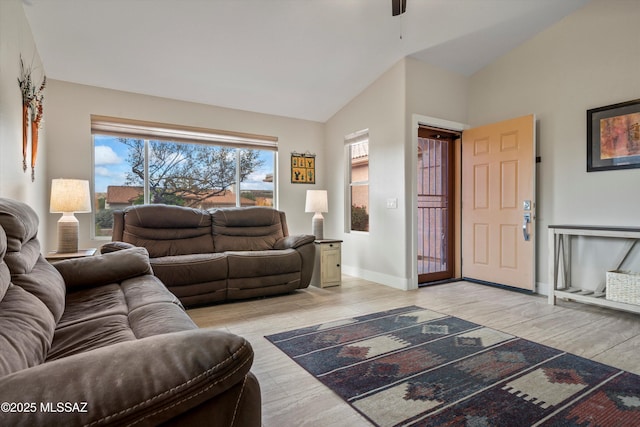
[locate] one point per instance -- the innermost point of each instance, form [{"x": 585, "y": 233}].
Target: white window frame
[{"x": 349, "y": 141}]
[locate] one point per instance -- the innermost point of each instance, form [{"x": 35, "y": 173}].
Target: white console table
[{"x": 560, "y": 257}]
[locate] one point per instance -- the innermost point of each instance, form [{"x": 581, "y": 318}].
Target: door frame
[{"x": 416, "y": 121}]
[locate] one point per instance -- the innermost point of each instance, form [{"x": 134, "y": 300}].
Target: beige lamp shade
[
  {"x": 69, "y": 196},
  {"x": 317, "y": 203}
]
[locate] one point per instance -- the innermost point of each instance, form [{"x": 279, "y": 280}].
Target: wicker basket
[{"x": 623, "y": 286}]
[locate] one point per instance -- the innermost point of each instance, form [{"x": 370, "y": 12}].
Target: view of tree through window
[{"x": 177, "y": 173}]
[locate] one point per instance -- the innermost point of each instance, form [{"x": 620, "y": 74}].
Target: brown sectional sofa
[
  {"x": 101, "y": 341},
  {"x": 207, "y": 256}
]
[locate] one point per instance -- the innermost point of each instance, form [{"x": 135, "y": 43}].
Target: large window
[
  {"x": 357, "y": 149},
  {"x": 131, "y": 169}
]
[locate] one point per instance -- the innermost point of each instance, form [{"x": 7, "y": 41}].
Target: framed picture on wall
[
  {"x": 613, "y": 137},
  {"x": 303, "y": 168}
]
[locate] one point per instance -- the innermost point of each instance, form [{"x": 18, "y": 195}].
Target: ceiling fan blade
[{"x": 398, "y": 7}]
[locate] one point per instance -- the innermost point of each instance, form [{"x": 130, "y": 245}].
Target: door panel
[{"x": 498, "y": 175}]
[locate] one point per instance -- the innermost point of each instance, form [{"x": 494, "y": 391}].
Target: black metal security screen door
[{"x": 435, "y": 206}]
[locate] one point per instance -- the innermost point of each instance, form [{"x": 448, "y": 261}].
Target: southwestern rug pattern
[{"x": 416, "y": 367}]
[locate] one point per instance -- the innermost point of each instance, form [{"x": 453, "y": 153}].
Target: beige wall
[
  {"x": 438, "y": 98},
  {"x": 378, "y": 254},
  {"x": 16, "y": 40},
  {"x": 589, "y": 59},
  {"x": 385, "y": 253},
  {"x": 71, "y": 105},
  {"x": 432, "y": 91}
]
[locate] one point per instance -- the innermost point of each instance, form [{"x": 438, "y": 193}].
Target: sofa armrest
[
  {"x": 116, "y": 385},
  {"x": 115, "y": 246},
  {"x": 293, "y": 242},
  {"x": 303, "y": 244},
  {"x": 103, "y": 269}
]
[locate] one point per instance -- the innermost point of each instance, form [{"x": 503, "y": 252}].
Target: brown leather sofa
[
  {"x": 101, "y": 341},
  {"x": 207, "y": 256}
]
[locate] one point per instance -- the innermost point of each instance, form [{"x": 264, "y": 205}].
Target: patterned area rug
[{"x": 415, "y": 367}]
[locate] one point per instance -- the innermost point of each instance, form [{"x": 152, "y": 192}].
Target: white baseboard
[
  {"x": 401, "y": 283},
  {"x": 542, "y": 288}
]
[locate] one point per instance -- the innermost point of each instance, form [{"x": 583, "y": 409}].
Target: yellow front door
[{"x": 498, "y": 203}]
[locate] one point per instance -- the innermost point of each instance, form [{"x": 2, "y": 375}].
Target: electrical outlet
[{"x": 392, "y": 203}]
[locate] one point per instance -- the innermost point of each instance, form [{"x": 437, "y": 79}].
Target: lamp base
[
  {"x": 317, "y": 225},
  {"x": 67, "y": 233}
]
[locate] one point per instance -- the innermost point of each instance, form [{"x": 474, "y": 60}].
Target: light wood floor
[{"x": 292, "y": 397}]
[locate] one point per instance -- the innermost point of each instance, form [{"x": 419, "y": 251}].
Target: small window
[{"x": 358, "y": 185}]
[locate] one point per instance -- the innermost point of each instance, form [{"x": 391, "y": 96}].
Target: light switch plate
[{"x": 392, "y": 203}]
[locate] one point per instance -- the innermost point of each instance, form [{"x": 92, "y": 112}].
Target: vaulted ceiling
[{"x": 297, "y": 58}]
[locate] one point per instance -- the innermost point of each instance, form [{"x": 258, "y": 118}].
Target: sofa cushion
[
  {"x": 46, "y": 284},
  {"x": 90, "y": 335},
  {"x": 118, "y": 312},
  {"x": 93, "y": 303},
  {"x": 31, "y": 291},
  {"x": 20, "y": 223},
  {"x": 27, "y": 267},
  {"x": 246, "y": 229},
  {"x": 146, "y": 290},
  {"x": 159, "y": 318},
  {"x": 168, "y": 230},
  {"x": 189, "y": 269},
  {"x": 26, "y": 331},
  {"x": 263, "y": 263}
]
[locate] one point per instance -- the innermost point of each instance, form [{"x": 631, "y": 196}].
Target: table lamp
[
  {"x": 69, "y": 196},
  {"x": 317, "y": 202}
]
